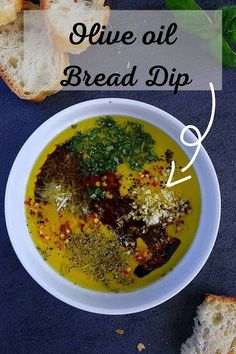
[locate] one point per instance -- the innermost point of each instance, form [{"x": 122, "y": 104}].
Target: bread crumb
[
  {"x": 140, "y": 347},
  {"x": 119, "y": 331}
]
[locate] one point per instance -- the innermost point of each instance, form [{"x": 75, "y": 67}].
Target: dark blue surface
[{"x": 33, "y": 321}]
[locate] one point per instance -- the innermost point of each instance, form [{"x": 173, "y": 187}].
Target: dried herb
[{"x": 99, "y": 256}]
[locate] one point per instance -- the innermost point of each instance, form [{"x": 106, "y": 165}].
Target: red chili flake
[
  {"x": 91, "y": 217},
  {"x": 28, "y": 201},
  {"x": 137, "y": 182},
  {"x": 65, "y": 229},
  {"x": 154, "y": 184},
  {"x": 46, "y": 219},
  {"x": 125, "y": 273}
]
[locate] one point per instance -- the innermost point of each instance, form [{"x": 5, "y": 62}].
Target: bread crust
[
  {"x": 37, "y": 97},
  {"x": 20, "y": 94},
  {"x": 19, "y": 5},
  {"x": 27, "y": 5},
  {"x": 220, "y": 298},
  {"x": 33, "y": 97},
  {"x": 7, "y": 16},
  {"x": 62, "y": 43},
  {"x": 44, "y": 5}
]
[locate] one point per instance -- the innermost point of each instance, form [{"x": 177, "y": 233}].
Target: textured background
[{"x": 33, "y": 321}]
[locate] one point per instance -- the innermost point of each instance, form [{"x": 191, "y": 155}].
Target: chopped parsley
[{"x": 109, "y": 144}]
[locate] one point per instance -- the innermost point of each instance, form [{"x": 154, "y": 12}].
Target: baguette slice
[
  {"x": 8, "y": 10},
  {"x": 43, "y": 69},
  {"x": 61, "y": 15},
  {"x": 215, "y": 327}
]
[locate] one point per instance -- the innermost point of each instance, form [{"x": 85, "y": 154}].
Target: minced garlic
[{"x": 155, "y": 208}]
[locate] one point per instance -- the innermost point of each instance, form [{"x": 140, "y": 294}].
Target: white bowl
[{"x": 107, "y": 303}]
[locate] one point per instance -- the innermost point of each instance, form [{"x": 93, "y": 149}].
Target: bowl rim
[{"x": 90, "y": 303}]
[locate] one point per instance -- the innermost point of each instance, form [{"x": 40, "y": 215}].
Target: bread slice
[
  {"x": 215, "y": 327},
  {"x": 61, "y": 15},
  {"x": 37, "y": 76},
  {"x": 8, "y": 10}
]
